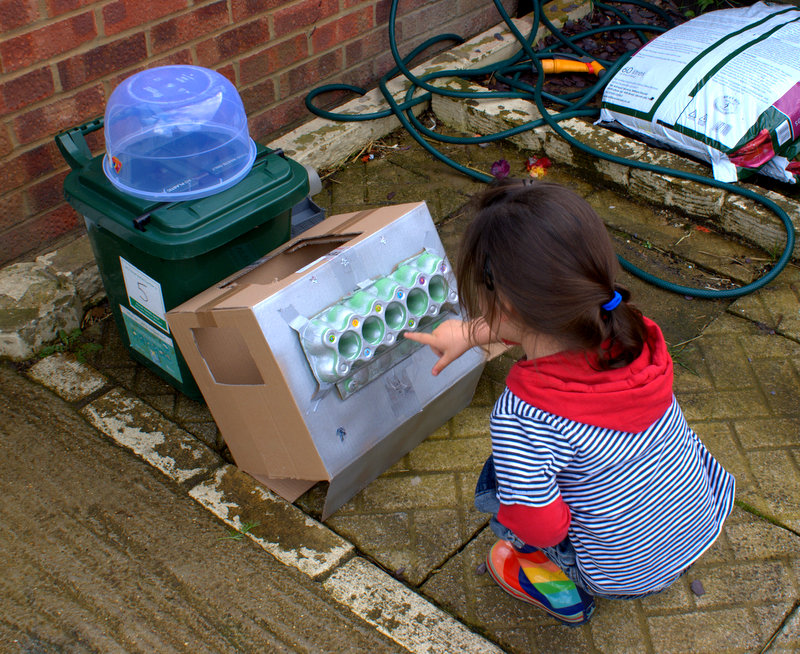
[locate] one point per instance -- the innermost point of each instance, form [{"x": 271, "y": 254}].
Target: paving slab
[
  {"x": 67, "y": 376},
  {"x": 396, "y": 610},
  {"x": 281, "y": 529},
  {"x": 723, "y": 364},
  {"x": 102, "y": 553},
  {"x": 135, "y": 425},
  {"x": 412, "y": 537},
  {"x": 775, "y": 308},
  {"x": 748, "y": 581},
  {"x": 417, "y": 521}
]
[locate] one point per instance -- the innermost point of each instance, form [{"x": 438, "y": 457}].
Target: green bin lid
[{"x": 181, "y": 230}]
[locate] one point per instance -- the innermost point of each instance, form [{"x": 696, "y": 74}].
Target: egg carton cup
[{"x": 353, "y": 341}]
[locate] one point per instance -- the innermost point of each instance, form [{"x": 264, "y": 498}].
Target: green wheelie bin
[{"x": 152, "y": 256}]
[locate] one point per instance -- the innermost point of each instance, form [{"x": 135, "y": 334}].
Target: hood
[{"x": 625, "y": 399}]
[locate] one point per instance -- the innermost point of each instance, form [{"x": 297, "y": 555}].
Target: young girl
[{"x": 596, "y": 484}]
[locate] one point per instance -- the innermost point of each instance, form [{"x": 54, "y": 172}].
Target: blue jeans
[{"x": 563, "y": 554}]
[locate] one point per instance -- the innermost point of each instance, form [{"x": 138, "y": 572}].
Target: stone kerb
[
  {"x": 730, "y": 212},
  {"x": 323, "y": 143}
]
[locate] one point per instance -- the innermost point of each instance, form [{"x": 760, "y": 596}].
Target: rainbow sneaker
[{"x": 533, "y": 578}]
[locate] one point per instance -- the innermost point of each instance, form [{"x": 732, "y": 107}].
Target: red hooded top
[{"x": 570, "y": 385}]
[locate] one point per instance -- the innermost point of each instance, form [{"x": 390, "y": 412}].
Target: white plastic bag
[{"x": 724, "y": 86}]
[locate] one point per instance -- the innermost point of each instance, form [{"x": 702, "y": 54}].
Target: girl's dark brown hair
[{"x": 538, "y": 251}]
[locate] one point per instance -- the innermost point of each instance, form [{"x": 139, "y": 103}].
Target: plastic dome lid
[{"x": 176, "y": 133}]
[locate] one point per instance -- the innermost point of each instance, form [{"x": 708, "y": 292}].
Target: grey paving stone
[
  {"x": 276, "y": 525},
  {"x": 65, "y": 375},
  {"x": 135, "y": 425}
]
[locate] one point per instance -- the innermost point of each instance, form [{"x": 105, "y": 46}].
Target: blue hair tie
[{"x": 613, "y": 303}]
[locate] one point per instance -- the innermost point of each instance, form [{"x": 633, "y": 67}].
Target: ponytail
[{"x": 622, "y": 330}]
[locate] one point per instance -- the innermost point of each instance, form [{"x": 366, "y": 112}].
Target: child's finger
[
  {"x": 444, "y": 361},
  {"x": 420, "y": 337}
]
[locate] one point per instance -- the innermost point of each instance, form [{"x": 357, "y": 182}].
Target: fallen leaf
[
  {"x": 500, "y": 169},
  {"x": 534, "y": 162}
]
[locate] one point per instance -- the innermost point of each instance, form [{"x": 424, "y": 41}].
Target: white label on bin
[
  {"x": 144, "y": 294},
  {"x": 151, "y": 343}
]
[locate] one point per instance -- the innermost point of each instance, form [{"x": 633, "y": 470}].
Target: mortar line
[{"x": 777, "y": 633}]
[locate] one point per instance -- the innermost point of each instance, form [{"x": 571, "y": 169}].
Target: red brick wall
[{"x": 60, "y": 60}]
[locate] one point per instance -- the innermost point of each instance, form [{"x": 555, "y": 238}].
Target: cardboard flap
[{"x": 227, "y": 356}]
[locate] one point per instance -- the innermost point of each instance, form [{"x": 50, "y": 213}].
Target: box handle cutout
[
  {"x": 293, "y": 257},
  {"x": 227, "y": 357}
]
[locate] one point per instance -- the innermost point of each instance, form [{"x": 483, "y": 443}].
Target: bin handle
[{"x": 72, "y": 143}]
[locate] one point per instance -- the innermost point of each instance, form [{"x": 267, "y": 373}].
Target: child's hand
[{"x": 448, "y": 341}]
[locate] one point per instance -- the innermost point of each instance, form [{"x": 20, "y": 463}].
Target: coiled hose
[{"x": 573, "y": 105}]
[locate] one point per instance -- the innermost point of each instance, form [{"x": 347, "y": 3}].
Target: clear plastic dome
[{"x": 176, "y": 133}]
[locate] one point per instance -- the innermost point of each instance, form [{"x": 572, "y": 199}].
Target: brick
[
  {"x": 383, "y": 8},
  {"x": 343, "y": 28},
  {"x": 383, "y": 63},
  {"x": 303, "y": 15},
  {"x": 362, "y": 76},
  {"x": 279, "y": 119},
  {"x": 279, "y": 56},
  {"x": 303, "y": 77},
  {"x": 420, "y": 22},
  {"x": 246, "y": 9},
  {"x": 26, "y": 90},
  {"x": 46, "y": 42},
  {"x": 477, "y": 22},
  {"x": 99, "y": 62},
  {"x": 188, "y": 27},
  {"x": 258, "y": 96},
  {"x": 228, "y": 72},
  {"x": 366, "y": 47},
  {"x": 12, "y": 209},
  {"x": 12, "y": 175},
  {"x": 124, "y": 14},
  {"x": 58, "y": 7},
  {"x": 174, "y": 59},
  {"x": 36, "y": 234},
  {"x": 16, "y": 13},
  {"x": 29, "y": 165},
  {"x": 233, "y": 42},
  {"x": 46, "y": 194},
  {"x": 253, "y": 68},
  {"x": 286, "y": 53},
  {"x": 58, "y": 116},
  {"x": 55, "y": 223},
  {"x": 6, "y": 146}
]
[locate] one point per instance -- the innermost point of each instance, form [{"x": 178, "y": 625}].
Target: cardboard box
[{"x": 304, "y": 391}]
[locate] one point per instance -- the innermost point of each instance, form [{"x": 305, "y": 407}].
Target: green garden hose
[{"x": 573, "y": 105}]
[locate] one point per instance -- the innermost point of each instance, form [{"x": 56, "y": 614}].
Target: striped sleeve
[{"x": 528, "y": 454}]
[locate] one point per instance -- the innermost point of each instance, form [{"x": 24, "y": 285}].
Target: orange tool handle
[{"x": 570, "y": 66}]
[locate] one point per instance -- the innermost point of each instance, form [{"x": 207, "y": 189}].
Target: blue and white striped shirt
[{"x": 644, "y": 505}]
